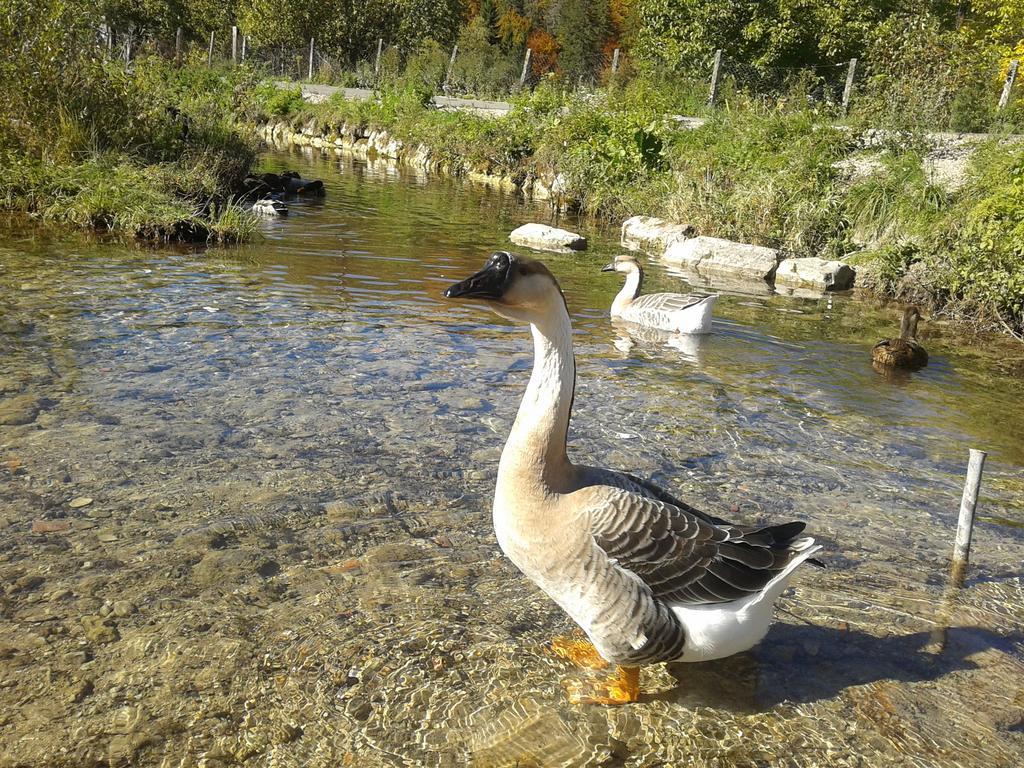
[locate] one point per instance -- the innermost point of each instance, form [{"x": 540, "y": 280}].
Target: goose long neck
[
  {"x": 535, "y": 455},
  {"x": 630, "y": 290}
]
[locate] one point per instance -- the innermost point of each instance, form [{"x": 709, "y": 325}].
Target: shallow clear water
[{"x": 288, "y": 557}]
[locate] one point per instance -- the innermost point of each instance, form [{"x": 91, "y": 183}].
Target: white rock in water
[
  {"x": 813, "y": 272},
  {"x": 714, "y": 256},
  {"x": 545, "y": 238},
  {"x": 653, "y": 235}
]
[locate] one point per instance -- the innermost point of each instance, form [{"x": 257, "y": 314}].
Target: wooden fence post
[
  {"x": 376, "y": 61},
  {"x": 526, "y": 68},
  {"x": 848, "y": 89},
  {"x": 179, "y": 45},
  {"x": 1011, "y": 75},
  {"x": 234, "y": 44},
  {"x": 209, "y": 54},
  {"x": 716, "y": 71},
  {"x": 311, "y": 50},
  {"x": 128, "y": 49},
  {"x": 451, "y": 65},
  {"x": 615, "y": 61}
]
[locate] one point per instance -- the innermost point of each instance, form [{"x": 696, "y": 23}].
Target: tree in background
[
  {"x": 488, "y": 16},
  {"x": 513, "y": 26},
  {"x": 994, "y": 25},
  {"x": 482, "y": 67},
  {"x": 438, "y": 20},
  {"x": 683, "y": 34},
  {"x": 545, "y": 51},
  {"x": 349, "y": 28},
  {"x": 581, "y": 27}
]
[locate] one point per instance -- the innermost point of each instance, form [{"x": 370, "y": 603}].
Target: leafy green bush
[
  {"x": 921, "y": 75},
  {"x": 980, "y": 256},
  {"x": 273, "y": 101},
  {"x": 890, "y": 264}
]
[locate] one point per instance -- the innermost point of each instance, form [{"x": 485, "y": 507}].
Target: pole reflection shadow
[{"x": 804, "y": 664}]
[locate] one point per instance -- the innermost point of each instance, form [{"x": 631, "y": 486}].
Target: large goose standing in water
[{"x": 647, "y": 577}]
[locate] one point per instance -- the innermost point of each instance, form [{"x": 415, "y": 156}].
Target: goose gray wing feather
[
  {"x": 683, "y": 558},
  {"x": 665, "y": 302},
  {"x": 634, "y": 484}
]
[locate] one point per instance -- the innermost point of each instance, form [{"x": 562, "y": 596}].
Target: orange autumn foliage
[
  {"x": 618, "y": 14},
  {"x": 545, "y": 52},
  {"x": 513, "y": 27}
]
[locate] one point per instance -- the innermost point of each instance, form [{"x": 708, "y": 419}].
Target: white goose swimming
[
  {"x": 647, "y": 577},
  {"x": 668, "y": 311}
]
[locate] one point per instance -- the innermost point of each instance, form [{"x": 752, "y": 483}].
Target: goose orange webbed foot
[
  {"x": 623, "y": 688},
  {"x": 578, "y": 651}
]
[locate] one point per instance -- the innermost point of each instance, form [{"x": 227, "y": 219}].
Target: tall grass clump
[
  {"x": 897, "y": 203},
  {"x": 978, "y": 256},
  {"x": 153, "y": 151},
  {"x": 764, "y": 177}
]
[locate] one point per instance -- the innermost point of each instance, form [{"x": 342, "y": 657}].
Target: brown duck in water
[{"x": 904, "y": 351}]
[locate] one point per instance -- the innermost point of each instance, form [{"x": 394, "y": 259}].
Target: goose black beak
[
  {"x": 489, "y": 283},
  {"x": 608, "y": 267}
]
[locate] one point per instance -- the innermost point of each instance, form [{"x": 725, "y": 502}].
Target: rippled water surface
[{"x": 245, "y": 507}]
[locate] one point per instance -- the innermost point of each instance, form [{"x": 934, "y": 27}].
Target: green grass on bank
[
  {"x": 787, "y": 179},
  {"x": 153, "y": 153},
  {"x": 111, "y": 193}
]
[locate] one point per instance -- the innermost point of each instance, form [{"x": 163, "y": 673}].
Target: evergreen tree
[
  {"x": 489, "y": 16},
  {"x": 580, "y": 27}
]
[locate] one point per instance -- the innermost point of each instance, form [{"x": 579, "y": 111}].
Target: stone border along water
[{"x": 707, "y": 260}]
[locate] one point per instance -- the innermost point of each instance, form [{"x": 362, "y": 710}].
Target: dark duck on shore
[{"x": 903, "y": 351}]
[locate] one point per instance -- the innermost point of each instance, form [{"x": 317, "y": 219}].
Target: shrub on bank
[
  {"x": 979, "y": 256},
  {"x": 764, "y": 177},
  {"x": 153, "y": 152}
]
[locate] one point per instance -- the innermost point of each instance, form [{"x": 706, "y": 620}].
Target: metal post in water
[
  {"x": 209, "y": 55},
  {"x": 311, "y": 49},
  {"x": 965, "y": 525},
  {"x": 716, "y": 71},
  {"x": 848, "y": 89}
]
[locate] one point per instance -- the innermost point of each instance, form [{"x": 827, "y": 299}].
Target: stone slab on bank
[
  {"x": 545, "y": 238},
  {"x": 812, "y": 272},
  {"x": 651, "y": 234},
  {"x": 714, "y": 256}
]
